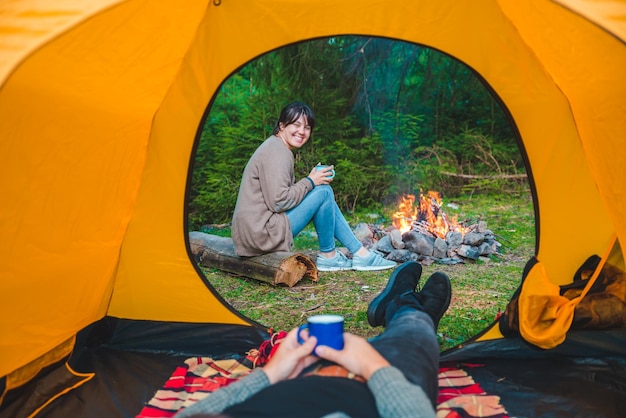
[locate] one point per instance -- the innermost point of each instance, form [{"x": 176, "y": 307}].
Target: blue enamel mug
[{"x": 328, "y": 329}]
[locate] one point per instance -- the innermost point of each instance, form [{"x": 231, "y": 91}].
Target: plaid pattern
[
  {"x": 459, "y": 395},
  {"x": 200, "y": 376}
]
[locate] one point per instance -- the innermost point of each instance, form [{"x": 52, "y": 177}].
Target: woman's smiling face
[{"x": 295, "y": 134}]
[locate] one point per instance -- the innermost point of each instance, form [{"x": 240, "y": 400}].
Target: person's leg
[
  {"x": 315, "y": 205},
  {"x": 320, "y": 207},
  {"x": 343, "y": 232},
  {"x": 409, "y": 343}
]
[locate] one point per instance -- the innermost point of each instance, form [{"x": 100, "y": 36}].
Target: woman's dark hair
[{"x": 292, "y": 113}]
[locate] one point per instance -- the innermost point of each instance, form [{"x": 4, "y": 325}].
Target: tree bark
[{"x": 275, "y": 268}]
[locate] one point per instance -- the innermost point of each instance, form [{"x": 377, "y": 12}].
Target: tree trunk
[{"x": 280, "y": 267}]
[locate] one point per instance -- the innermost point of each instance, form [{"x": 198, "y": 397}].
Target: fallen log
[{"x": 275, "y": 268}]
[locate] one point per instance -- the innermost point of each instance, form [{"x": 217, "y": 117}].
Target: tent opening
[{"x": 395, "y": 118}]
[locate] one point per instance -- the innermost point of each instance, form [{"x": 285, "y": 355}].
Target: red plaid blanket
[{"x": 459, "y": 395}]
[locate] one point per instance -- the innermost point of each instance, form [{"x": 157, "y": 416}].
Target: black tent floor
[
  {"x": 585, "y": 376},
  {"x": 133, "y": 359},
  {"x": 555, "y": 388}
]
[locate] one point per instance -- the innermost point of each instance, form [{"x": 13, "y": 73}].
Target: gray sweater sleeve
[
  {"x": 230, "y": 395},
  {"x": 396, "y": 397}
]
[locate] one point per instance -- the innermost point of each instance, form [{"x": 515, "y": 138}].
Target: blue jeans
[
  {"x": 319, "y": 205},
  {"x": 409, "y": 343}
]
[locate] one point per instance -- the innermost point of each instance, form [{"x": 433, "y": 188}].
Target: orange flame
[
  {"x": 406, "y": 214},
  {"x": 428, "y": 215}
]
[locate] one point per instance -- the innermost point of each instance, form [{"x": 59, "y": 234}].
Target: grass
[{"x": 480, "y": 290}]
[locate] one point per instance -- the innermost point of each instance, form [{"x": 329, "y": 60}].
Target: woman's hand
[
  {"x": 321, "y": 176},
  {"x": 358, "y": 356},
  {"x": 291, "y": 357}
]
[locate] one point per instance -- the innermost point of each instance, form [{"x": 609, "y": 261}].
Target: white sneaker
[
  {"x": 371, "y": 262},
  {"x": 336, "y": 263}
]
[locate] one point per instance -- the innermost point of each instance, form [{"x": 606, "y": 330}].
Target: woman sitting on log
[{"x": 272, "y": 207}]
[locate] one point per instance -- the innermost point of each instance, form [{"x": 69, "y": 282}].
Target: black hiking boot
[
  {"x": 435, "y": 296},
  {"x": 404, "y": 279}
]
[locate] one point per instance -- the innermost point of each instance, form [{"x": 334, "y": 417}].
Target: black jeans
[{"x": 409, "y": 343}]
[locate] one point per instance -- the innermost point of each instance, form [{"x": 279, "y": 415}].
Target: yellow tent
[{"x": 100, "y": 102}]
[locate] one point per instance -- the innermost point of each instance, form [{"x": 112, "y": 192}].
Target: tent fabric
[
  {"x": 131, "y": 360},
  {"x": 101, "y": 102},
  {"x": 26, "y": 373},
  {"x": 607, "y": 14},
  {"x": 49, "y": 386}
]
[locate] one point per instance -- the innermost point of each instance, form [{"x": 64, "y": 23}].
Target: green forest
[{"x": 393, "y": 117}]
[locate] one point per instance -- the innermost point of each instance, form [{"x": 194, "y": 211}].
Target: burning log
[
  {"x": 423, "y": 228},
  {"x": 280, "y": 267}
]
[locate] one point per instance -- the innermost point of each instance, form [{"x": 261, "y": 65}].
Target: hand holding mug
[
  {"x": 358, "y": 356},
  {"x": 327, "y": 329},
  {"x": 322, "y": 174},
  {"x": 328, "y": 170},
  {"x": 291, "y": 357}
]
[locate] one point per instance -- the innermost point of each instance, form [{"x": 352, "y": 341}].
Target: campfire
[
  {"x": 422, "y": 231},
  {"x": 427, "y": 217}
]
